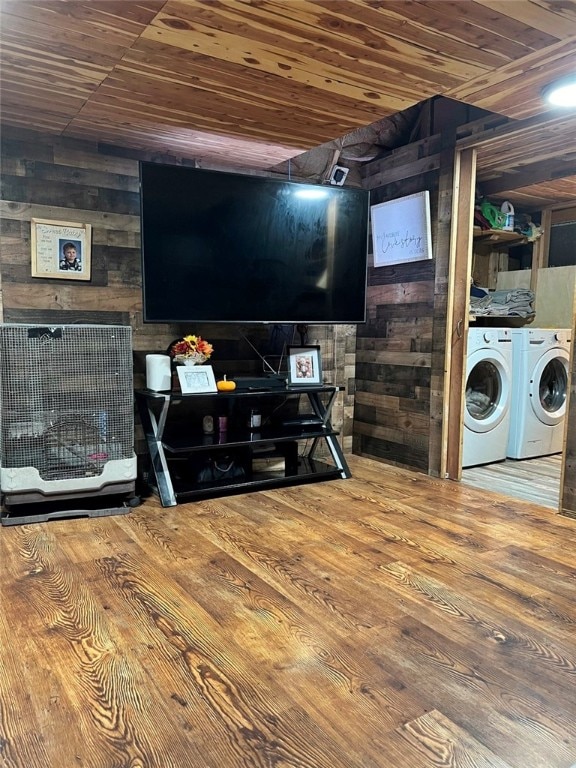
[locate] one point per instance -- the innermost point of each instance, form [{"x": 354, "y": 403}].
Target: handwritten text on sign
[{"x": 401, "y": 230}]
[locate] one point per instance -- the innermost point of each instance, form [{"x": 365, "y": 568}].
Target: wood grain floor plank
[
  {"x": 79, "y": 656},
  {"x": 22, "y": 742},
  {"x": 390, "y": 528},
  {"x": 544, "y": 573},
  {"x": 447, "y": 744},
  {"x": 536, "y": 480},
  {"x": 241, "y": 716},
  {"x": 275, "y": 635},
  {"x": 499, "y": 712},
  {"x": 334, "y": 676},
  {"x": 387, "y": 621},
  {"x": 504, "y": 641},
  {"x": 507, "y": 593},
  {"x": 455, "y": 600}
]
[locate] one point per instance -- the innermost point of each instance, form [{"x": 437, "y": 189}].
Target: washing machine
[
  {"x": 540, "y": 359},
  {"x": 488, "y": 395}
]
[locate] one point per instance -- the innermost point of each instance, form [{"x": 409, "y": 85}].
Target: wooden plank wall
[
  {"x": 69, "y": 180},
  {"x": 394, "y": 370},
  {"x": 401, "y": 349}
]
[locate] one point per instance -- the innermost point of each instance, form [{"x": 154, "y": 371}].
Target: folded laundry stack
[{"x": 514, "y": 303}]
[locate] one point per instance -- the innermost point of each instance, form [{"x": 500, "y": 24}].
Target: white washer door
[
  {"x": 487, "y": 390},
  {"x": 549, "y": 386}
]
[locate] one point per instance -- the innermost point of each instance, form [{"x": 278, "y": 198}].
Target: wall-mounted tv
[{"x": 222, "y": 247}]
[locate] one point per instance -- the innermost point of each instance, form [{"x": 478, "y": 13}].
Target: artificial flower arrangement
[{"x": 191, "y": 349}]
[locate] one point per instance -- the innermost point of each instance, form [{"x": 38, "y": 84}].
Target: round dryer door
[
  {"x": 549, "y": 387},
  {"x": 487, "y": 390}
]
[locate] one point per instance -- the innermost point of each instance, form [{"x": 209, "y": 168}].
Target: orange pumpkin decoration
[{"x": 225, "y": 385}]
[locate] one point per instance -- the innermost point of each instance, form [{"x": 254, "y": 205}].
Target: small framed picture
[
  {"x": 196, "y": 378},
  {"x": 304, "y": 366},
  {"x": 61, "y": 250}
]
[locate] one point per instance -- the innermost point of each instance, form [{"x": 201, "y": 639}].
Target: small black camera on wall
[{"x": 338, "y": 175}]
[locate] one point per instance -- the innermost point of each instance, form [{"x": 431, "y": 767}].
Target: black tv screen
[{"x": 222, "y": 247}]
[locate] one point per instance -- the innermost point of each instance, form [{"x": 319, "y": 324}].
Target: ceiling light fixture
[{"x": 562, "y": 93}]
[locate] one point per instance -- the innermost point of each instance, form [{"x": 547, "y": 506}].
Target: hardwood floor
[
  {"x": 387, "y": 621},
  {"x": 536, "y": 480}
]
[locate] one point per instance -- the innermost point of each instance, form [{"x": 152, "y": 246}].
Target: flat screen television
[{"x": 222, "y": 247}]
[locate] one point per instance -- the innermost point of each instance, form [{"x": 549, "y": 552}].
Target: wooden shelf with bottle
[{"x": 495, "y": 237}]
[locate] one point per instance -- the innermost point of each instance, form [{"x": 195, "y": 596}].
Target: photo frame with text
[
  {"x": 304, "y": 366},
  {"x": 61, "y": 250},
  {"x": 196, "y": 379}
]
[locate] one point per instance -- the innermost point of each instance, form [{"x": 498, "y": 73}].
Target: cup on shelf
[{"x": 255, "y": 420}]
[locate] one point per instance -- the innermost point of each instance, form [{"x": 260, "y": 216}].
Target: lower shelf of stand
[
  {"x": 309, "y": 471},
  {"x": 194, "y": 442}
]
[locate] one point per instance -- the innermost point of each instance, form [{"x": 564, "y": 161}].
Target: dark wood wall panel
[
  {"x": 416, "y": 271},
  {"x": 397, "y": 453},
  {"x": 401, "y": 350},
  {"x": 64, "y": 316},
  {"x": 394, "y": 348}
]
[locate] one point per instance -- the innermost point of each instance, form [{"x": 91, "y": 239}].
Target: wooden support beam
[
  {"x": 536, "y": 173},
  {"x": 457, "y": 311},
  {"x": 514, "y": 128},
  {"x": 567, "y": 502},
  {"x": 541, "y": 249}
]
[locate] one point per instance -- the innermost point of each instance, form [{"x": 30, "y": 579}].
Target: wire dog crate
[{"x": 66, "y": 420}]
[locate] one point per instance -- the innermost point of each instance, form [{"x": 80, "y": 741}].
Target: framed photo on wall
[
  {"x": 61, "y": 250},
  {"x": 196, "y": 379},
  {"x": 304, "y": 366}
]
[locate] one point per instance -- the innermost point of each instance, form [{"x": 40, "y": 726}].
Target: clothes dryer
[
  {"x": 540, "y": 359},
  {"x": 488, "y": 395}
]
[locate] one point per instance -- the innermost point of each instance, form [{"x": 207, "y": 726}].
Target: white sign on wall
[{"x": 401, "y": 230}]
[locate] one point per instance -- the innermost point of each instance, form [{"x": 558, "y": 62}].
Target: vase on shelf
[{"x": 197, "y": 358}]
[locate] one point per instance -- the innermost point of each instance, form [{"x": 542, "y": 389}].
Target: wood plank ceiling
[{"x": 251, "y": 83}]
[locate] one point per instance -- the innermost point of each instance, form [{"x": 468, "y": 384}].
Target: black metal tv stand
[{"x": 179, "y": 448}]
